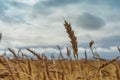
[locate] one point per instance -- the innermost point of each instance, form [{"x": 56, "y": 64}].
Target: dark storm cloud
[
  {"x": 90, "y": 22},
  {"x": 109, "y": 41}
]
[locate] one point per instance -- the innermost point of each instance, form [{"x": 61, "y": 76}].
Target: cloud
[
  {"x": 28, "y": 2},
  {"x": 13, "y": 11},
  {"x": 105, "y": 42},
  {"x": 47, "y": 7},
  {"x": 109, "y": 41},
  {"x": 40, "y": 23},
  {"x": 56, "y": 3},
  {"x": 109, "y": 3},
  {"x": 90, "y": 22},
  {"x": 12, "y": 3}
]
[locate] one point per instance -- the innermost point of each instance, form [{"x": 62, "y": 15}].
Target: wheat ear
[{"x": 72, "y": 37}]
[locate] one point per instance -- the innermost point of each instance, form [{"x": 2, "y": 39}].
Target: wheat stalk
[
  {"x": 117, "y": 71},
  {"x": 107, "y": 63},
  {"x": 5, "y": 62},
  {"x": 29, "y": 68},
  {"x": 13, "y": 52},
  {"x": 0, "y": 36},
  {"x": 60, "y": 52},
  {"x": 85, "y": 53},
  {"x": 118, "y": 49},
  {"x": 46, "y": 68},
  {"x": 73, "y": 38},
  {"x": 68, "y": 53},
  {"x": 36, "y": 54}
]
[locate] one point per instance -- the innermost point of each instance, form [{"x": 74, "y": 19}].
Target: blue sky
[{"x": 39, "y": 23}]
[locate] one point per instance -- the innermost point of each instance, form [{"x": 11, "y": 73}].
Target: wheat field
[{"x": 42, "y": 68}]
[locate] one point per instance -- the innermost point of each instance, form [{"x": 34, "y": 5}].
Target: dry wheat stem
[
  {"x": 107, "y": 63},
  {"x": 36, "y": 54}
]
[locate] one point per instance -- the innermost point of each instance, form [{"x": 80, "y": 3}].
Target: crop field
[{"x": 22, "y": 67}]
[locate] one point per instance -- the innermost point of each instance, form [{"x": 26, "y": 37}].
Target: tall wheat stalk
[
  {"x": 60, "y": 52},
  {"x": 72, "y": 37}
]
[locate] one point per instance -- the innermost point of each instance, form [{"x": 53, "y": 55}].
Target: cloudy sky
[{"x": 39, "y": 24}]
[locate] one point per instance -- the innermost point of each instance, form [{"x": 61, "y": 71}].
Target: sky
[{"x": 39, "y": 24}]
